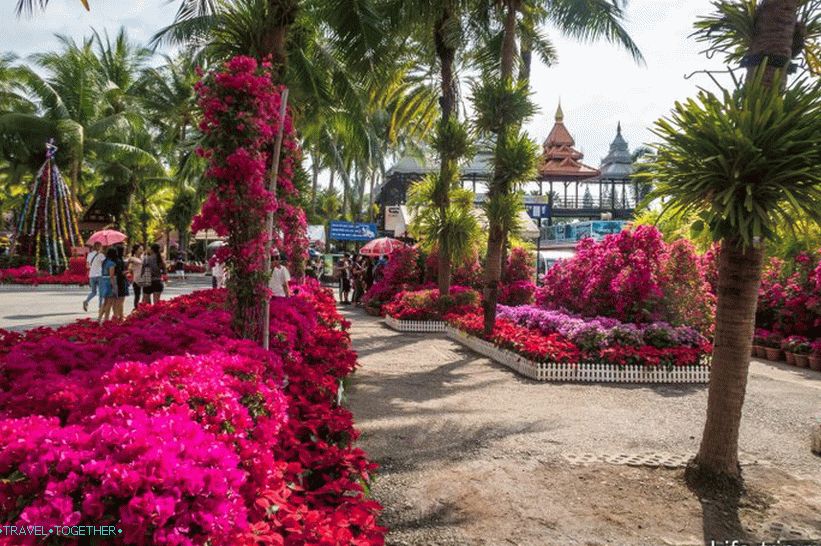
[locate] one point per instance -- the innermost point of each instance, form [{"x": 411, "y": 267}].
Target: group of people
[
  {"x": 111, "y": 273},
  {"x": 357, "y": 274}
]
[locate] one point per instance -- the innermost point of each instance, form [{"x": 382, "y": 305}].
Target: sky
[{"x": 597, "y": 83}]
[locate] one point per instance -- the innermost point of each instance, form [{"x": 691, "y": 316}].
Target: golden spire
[{"x": 559, "y": 113}]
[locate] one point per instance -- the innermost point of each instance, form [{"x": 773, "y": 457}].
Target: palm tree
[
  {"x": 731, "y": 28},
  {"x": 28, "y": 6},
  {"x": 503, "y": 105},
  {"x": 746, "y": 162}
]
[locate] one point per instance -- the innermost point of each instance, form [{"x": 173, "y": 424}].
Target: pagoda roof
[
  {"x": 617, "y": 163},
  {"x": 560, "y": 159}
]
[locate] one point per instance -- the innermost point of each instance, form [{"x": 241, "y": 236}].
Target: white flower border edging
[
  {"x": 582, "y": 372},
  {"x": 415, "y": 326}
]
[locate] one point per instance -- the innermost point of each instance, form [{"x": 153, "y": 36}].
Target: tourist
[
  {"x": 358, "y": 275},
  {"x": 279, "y": 277},
  {"x": 343, "y": 271},
  {"x": 135, "y": 268},
  {"x": 108, "y": 285},
  {"x": 179, "y": 265},
  {"x": 121, "y": 279},
  {"x": 154, "y": 263},
  {"x": 219, "y": 273},
  {"x": 94, "y": 266},
  {"x": 379, "y": 268},
  {"x": 369, "y": 273}
]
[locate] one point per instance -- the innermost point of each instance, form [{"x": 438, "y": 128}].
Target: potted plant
[
  {"x": 814, "y": 358},
  {"x": 802, "y": 353},
  {"x": 772, "y": 347},
  {"x": 759, "y": 342},
  {"x": 792, "y": 345}
]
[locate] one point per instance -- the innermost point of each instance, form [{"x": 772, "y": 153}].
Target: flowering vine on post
[{"x": 240, "y": 107}]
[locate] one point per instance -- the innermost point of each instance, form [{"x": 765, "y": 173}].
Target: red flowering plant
[
  {"x": 633, "y": 276},
  {"x": 467, "y": 273},
  {"x": 29, "y": 275},
  {"x": 240, "y": 118},
  {"x": 401, "y": 273},
  {"x": 429, "y": 305}
]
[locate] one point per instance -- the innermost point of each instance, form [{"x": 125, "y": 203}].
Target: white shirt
[
  {"x": 95, "y": 263},
  {"x": 279, "y": 277}
]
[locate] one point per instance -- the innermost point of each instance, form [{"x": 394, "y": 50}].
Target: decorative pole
[{"x": 272, "y": 187}]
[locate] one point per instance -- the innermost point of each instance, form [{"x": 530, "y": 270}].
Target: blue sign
[
  {"x": 350, "y": 231},
  {"x": 538, "y": 210}
]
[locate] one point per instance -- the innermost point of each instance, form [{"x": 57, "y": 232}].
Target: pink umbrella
[
  {"x": 106, "y": 237},
  {"x": 382, "y": 246}
]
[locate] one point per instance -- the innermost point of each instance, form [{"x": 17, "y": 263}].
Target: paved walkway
[
  {"x": 473, "y": 454},
  {"x": 22, "y": 308}
]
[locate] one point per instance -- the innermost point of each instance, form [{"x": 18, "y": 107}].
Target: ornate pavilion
[{"x": 575, "y": 190}]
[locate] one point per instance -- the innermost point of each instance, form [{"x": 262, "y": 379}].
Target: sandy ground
[{"x": 473, "y": 454}]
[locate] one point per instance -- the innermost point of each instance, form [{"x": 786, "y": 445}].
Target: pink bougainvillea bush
[
  {"x": 174, "y": 430},
  {"x": 517, "y": 286},
  {"x": 429, "y": 305},
  {"x": 29, "y": 275},
  {"x": 240, "y": 118},
  {"x": 789, "y": 299},
  {"x": 633, "y": 276},
  {"x": 402, "y": 273}
]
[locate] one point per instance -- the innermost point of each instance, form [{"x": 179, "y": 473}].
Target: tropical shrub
[
  {"x": 29, "y": 275},
  {"x": 465, "y": 273},
  {"x": 633, "y": 276}
]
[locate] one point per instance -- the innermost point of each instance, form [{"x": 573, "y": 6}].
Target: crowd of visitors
[
  {"x": 357, "y": 274},
  {"x": 111, "y": 274}
]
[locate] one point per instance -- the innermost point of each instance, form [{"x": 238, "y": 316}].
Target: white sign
[
  {"x": 393, "y": 219},
  {"x": 316, "y": 233}
]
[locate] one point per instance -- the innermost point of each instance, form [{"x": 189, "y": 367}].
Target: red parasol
[{"x": 380, "y": 247}]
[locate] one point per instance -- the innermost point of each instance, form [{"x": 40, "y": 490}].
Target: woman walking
[
  {"x": 108, "y": 284},
  {"x": 122, "y": 284},
  {"x": 135, "y": 268},
  {"x": 154, "y": 263}
]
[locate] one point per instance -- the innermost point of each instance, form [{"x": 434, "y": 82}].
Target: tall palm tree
[
  {"x": 503, "y": 104},
  {"x": 747, "y": 162}
]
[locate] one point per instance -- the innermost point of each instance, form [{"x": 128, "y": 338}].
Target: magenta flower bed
[{"x": 171, "y": 429}]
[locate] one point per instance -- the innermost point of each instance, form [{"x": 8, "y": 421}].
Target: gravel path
[{"x": 473, "y": 454}]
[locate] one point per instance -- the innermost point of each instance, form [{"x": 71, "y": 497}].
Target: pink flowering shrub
[
  {"x": 517, "y": 286},
  {"x": 171, "y": 428},
  {"x": 789, "y": 299},
  {"x": 29, "y": 275},
  {"x": 467, "y": 274},
  {"x": 240, "y": 117},
  {"x": 633, "y": 276}
]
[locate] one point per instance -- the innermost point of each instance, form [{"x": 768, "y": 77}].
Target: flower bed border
[
  {"x": 581, "y": 372},
  {"x": 12, "y": 287},
  {"x": 416, "y": 326}
]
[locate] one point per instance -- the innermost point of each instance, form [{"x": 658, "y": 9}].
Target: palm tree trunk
[
  {"x": 775, "y": 22},
  {"x": 314, "y": 183},
  {"x": 370, "y": 196},
  {"x": 739, "y": 276},
  {"x": 497, "y": 235},
  {"x": 144, "y": 219},
  {"x": 447, "y": 55}
]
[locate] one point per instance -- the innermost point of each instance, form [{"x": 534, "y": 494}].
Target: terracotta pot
[
  {"x": 815, "y": 362},
  {"x": 773, "y": 353},
  {"x": 802, "y": 361},
  {"x": 790, "y": 358},
  {"x": 760, "y": 351}
]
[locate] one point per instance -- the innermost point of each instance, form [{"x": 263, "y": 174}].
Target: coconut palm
[
  {"x": 28, "y": 6},
  {"x": 747, "y": 162}
]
